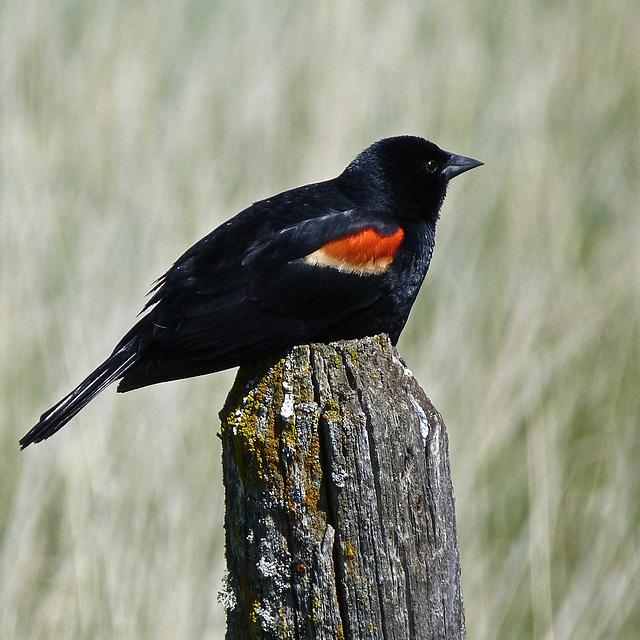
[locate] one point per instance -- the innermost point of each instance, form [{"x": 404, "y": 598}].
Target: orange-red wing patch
[{"x": 364, "y": 253}]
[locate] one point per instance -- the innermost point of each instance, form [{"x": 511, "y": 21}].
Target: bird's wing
[
  {"x": 320, "y": 270},
  {"x": 288, "y": 289}
]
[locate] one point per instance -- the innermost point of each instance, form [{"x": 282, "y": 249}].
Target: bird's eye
[{"x": 432, "y": 166}]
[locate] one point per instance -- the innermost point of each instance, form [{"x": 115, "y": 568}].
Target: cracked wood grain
[{"x": 340, "y": 518}]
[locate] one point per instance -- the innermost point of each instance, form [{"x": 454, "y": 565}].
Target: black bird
[{"x": 328, "y": 261}]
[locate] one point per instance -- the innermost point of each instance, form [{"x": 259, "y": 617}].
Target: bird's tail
[{"x": 113, "y": 368}]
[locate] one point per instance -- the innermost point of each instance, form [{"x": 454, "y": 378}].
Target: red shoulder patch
[{"x": 364, "y": 253}]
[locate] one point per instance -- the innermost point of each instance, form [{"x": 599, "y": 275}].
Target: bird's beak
[{"x": 458, "y": 165}]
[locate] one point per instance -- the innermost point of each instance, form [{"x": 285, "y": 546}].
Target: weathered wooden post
[{"x": 340, "y": 517}]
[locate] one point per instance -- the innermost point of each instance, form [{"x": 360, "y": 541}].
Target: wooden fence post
[{"x": 340, "y": 518}]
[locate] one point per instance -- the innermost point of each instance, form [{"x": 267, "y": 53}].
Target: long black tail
[{"x": 113, "y": 368}]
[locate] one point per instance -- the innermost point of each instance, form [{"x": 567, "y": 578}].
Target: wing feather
[{"x": 248, "y": 304}]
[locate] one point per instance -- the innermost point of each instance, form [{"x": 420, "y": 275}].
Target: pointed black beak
[{"x": 458, "y": 165}]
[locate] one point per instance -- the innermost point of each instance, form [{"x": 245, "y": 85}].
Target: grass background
[{"x": 129, "y": 130}]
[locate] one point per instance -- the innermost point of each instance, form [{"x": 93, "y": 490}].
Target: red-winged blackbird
[{"x": 328, "y": 261}]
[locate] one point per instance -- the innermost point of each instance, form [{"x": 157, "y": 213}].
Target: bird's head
[{"x": 407, "y": 174}]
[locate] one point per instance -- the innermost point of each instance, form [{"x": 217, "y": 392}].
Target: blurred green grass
[{"x": 130, "y": 130}]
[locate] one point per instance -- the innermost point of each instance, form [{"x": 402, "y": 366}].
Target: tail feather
[{"x": 55, "y": 418}]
